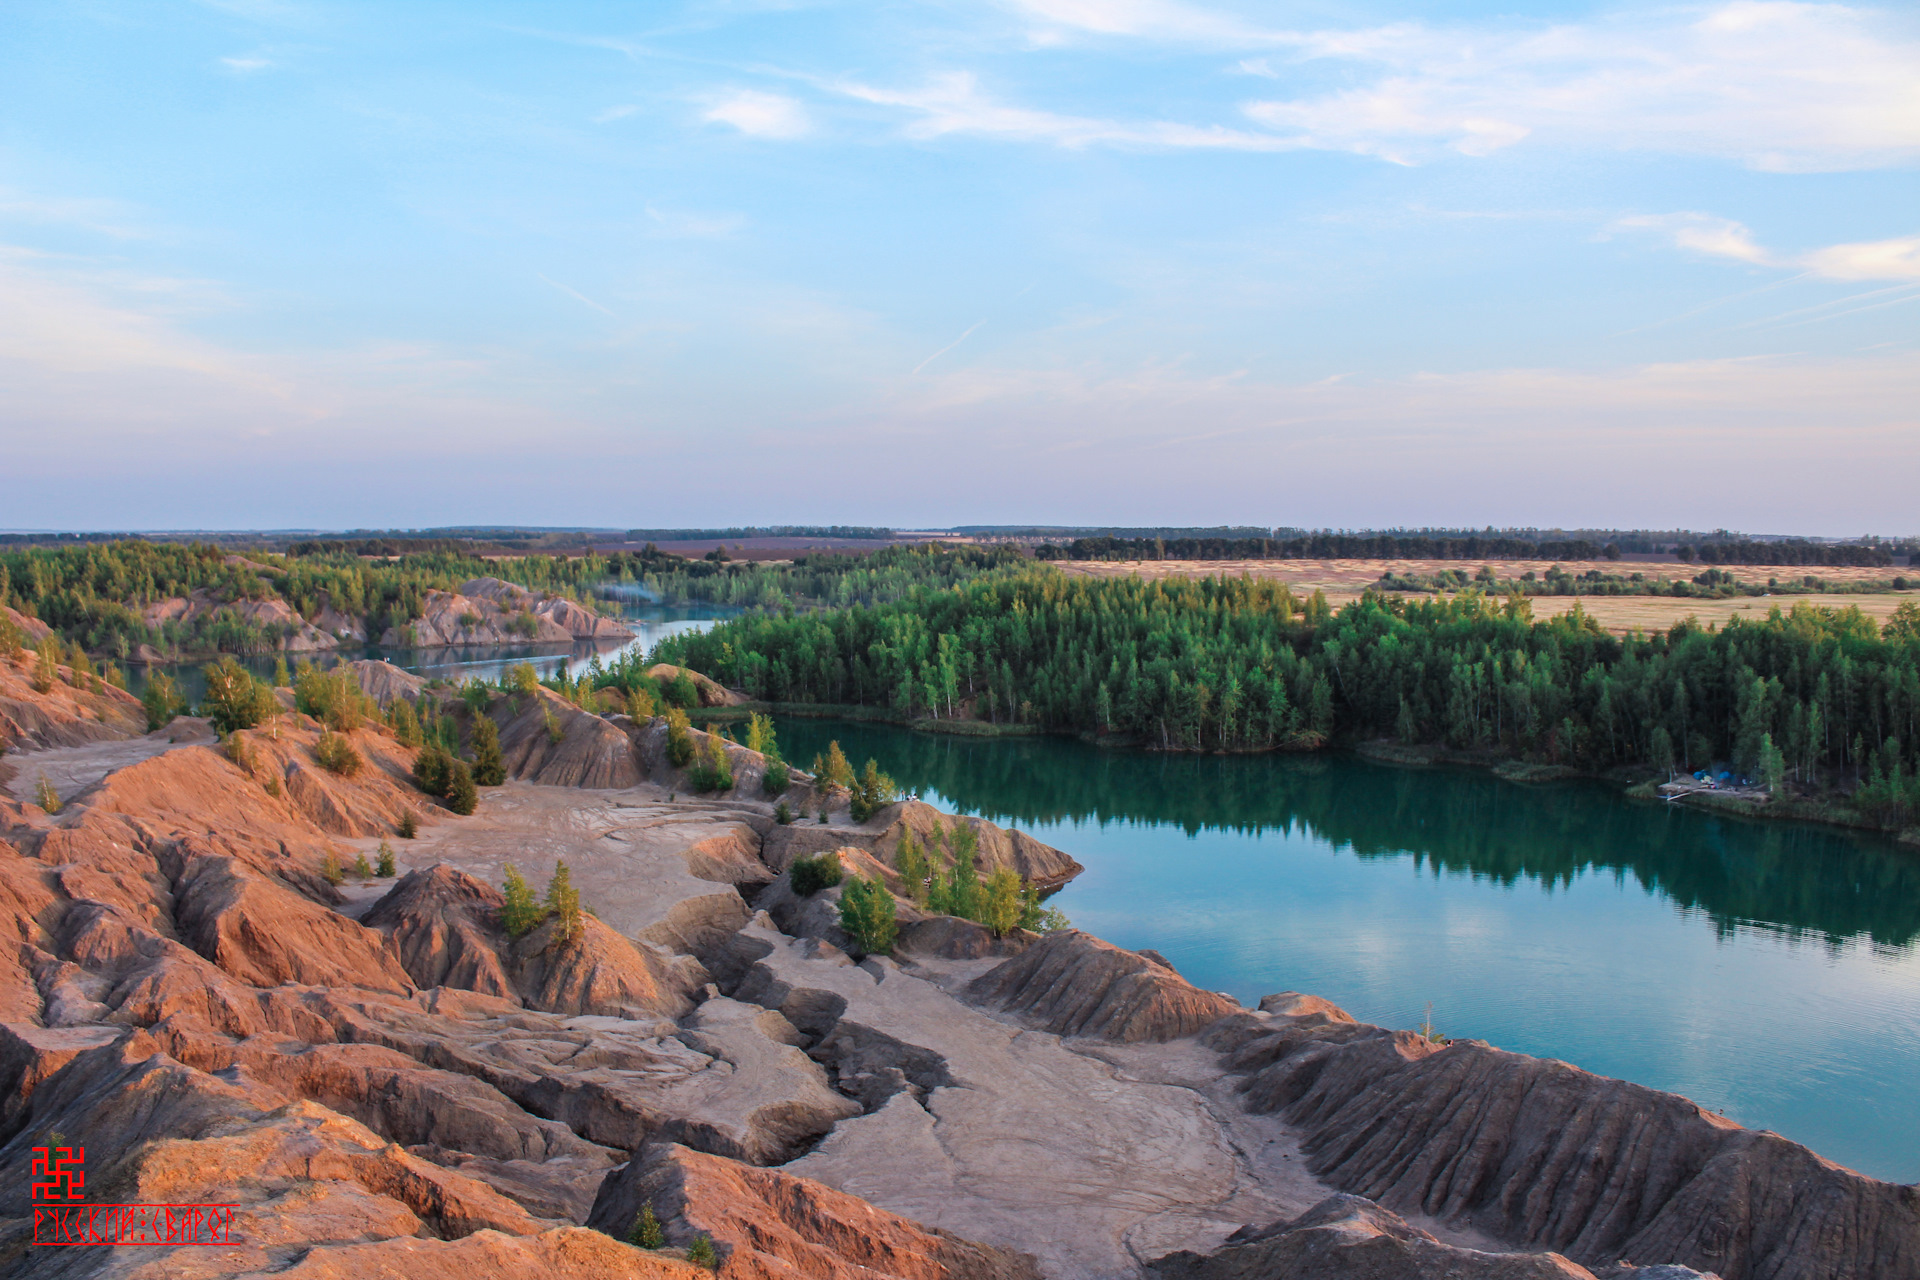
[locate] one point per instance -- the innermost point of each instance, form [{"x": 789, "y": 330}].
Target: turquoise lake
[{"x": 1766, "y": 970}]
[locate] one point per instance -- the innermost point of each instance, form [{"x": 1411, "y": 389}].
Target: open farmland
[{"x": 1344, "y": 580}]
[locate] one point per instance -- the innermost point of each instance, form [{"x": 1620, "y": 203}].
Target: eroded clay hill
[{"x": 386, "y": 1083}]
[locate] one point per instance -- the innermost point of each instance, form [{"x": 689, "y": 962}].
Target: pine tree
[
  {"x": 488, "y": 771},
  {"x": 46, "y": 669},
  {"x": 282, "y": 678},
  {"x": 701, "y": 1253},
  {"x": 647, "y": 1232},
  {"x": 519, "y": 914},
  {"x": 462, "y": 796},
  {"x": 385, "y": 868},
  {"x": 563, "y": 905}
]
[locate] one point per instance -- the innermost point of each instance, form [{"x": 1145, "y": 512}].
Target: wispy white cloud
[
  {"x": 620, "y": 112},
  {"x": 247, "y": 63},
  {"x": 576, "y": 295},
  {"x": 1895, "y": 259},
  {"x": 952, "y": 103},
  {"x": 1773, "y": 84},
  {"x": 761, "y": 115}
]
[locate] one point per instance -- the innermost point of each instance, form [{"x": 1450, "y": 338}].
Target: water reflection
[{"x": 1789, "y": 878}]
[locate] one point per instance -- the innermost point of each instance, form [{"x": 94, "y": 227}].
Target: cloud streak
[
  {"x": 1716, "y": 237},
  {"x": 761, "y": 115}
]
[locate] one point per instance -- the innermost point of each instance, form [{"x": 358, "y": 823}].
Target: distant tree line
[
  {"x": 1383, "y": 546},
  {"x": 1319, "y": 546},
  {"x": 1816, "y": 695},
  {"x": 742, "y": 532}
]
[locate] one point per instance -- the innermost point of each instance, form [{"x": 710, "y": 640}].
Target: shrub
[
  {"x": 462, "y": 796},
  {"x": 646, "y": 1232},
  {"x": 520, "y": 915},
  {"x": 523, "y": 679},
  {"x": 46, "y": 667},
  {"x": 681, "y": 691},
  {"x": 1000, "y": 902},
  {"x": 555, "y": 729},
  {"x": 79, "y": 668},
  {"x": 701, "y": 1253},
  {"x": 782, "y": 814},
  {"x": 385, "y": 867},
  {"x": 640, "y": 704},
  {"x": 777, "y": 778},
  {"x": 336, "y": 755},
  {"x": 715, "y": 771},
  {"x": 1038, "y": 918},
  {"x": 910, "y": 860},
  {"x": 330, "y": 869},
  {"x": 362, "y": 869},
  {"x": 409, "y": 825},
  {"x": 867, "y": 914},
  {"x": 679, "y": 741},
  {"x": 870, "y": 792},
  {"x": 272, "y": 785},
  {"x": 10, "y": 642},
  {"x": 431, "y": 769},
  {"x": 760, "y": 736},
  {"x": 563, "y": 905},
  {"x": 45, "y": 796},
  {"x": 235, "y": 700},
  {"x": 488, "y": 770},
  {"x": 236, "y": 749},
  {"x": 810, "y": 875},
  {"x": 282, "y": 678},
  {"x": 161, "y": 698}
]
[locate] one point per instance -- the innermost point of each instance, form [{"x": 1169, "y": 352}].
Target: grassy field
[{"x": 1344, "y": 580}]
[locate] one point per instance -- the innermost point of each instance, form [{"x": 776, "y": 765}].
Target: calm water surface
[{"x": 1766, "y": 970}]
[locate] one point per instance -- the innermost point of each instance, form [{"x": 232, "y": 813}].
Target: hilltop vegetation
[{"x": 1814, "y": 696}]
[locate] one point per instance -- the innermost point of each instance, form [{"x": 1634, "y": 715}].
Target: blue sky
[{"x": 270, "y": 263}]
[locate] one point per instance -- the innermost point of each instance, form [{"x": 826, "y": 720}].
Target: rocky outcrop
[
  {"x": 312, "y": 1188},
  {"x": 769, "y": 1225},
  {"x": 546, "y": 739},
  {"x": 1074, "y": 984},
  {"x": 291, "y": 632},
  {"x": 1543, "y": 1154},
  {"x": 576, "y": 619},
  {"x": 1350, "y": 1238},
  {"x": 386, "y": 683},
  {"x": 445, "y": 926},
  {"x": 1039, "y": 865}
]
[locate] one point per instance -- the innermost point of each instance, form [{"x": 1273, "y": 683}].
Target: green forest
[
  {"x": 94, "y": 593},
  {"x": 1818, "y": 697}
]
